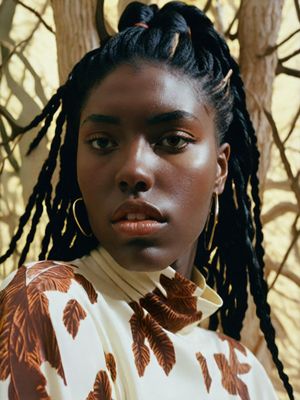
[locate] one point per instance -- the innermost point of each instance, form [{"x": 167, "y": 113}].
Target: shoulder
[
  {"x": 44, "y": 317},
  {"x": 241, "y": 372},
  {"x": 37, "y": 292},
  {"x": 44, "y": 276},
  {"x": 227, "y": 350}
]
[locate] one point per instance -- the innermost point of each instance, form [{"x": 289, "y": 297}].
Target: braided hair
[{"x": 180, "y": 38}]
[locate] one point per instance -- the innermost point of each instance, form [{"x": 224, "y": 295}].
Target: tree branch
[
  {"x": 278, "y": 210},
  {"x": 207, "y": 6},
  {"x": 286, "y": 273},
  {"x": 293, "y": 124},
  {"x": 284, "y": 59},
  {"x": 287, "y": 253},
  {"x": 280, "y": 69},
  {"x": 100, "y": 22},
  {"x": 297, "y": 6},
  {"x": 16, "y": 129},
  {"x": 23, "y": 43},
  {"x": 271, "y": 49},
  {"x": 9, "y": 155},
  {"x": 13, "y": 51},
  {"x": 227, "y": 32},
  {"x": 33, "y": 11},
  {"x": 277, "y": 185},
  {"x": 7, "y": 149},
  {"x": 293, "y": 180}
]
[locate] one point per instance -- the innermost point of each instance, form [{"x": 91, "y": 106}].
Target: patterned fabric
[{"x": 92, "y": 330}]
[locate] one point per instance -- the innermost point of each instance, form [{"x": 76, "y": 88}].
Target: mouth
[{"x": 137, "y": 218}]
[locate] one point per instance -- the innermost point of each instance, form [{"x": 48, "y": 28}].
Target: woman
[{"x": 157, "y": 129}]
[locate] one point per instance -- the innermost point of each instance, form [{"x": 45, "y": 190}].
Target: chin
[{"x": 141, "y": 258}]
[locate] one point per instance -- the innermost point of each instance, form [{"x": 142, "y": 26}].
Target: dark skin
[{"x": 146, "y": 135}]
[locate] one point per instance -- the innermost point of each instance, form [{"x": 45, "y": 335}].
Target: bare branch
[
  {"x": 293, "y": 180},
  {"x": 37, "y": 14},
  {"x": 271, "y": 49},
  {"x": 23, "y": 43},
  {"x": 13, "y": 51},
  {"x": 297, "y": 6},
  {"x": 277, "y": 185},
  {"x": 287, "y": 253},
  {"x": 207, "y": 6},
  {"x": 16, "y": 129},
  {"x": 9, "y": 155},
  {"x": 100, "y": 22},
  {"x": 293, "y": 124},
  {"x": 278, "y": 210},
  {"x": 284, "y": 59},
  {"x": 227, "y": 32},
  {"x": 281, "y": 69},
  {"x": 286, "y": 273},
  {"x": 7, "y": 149}
]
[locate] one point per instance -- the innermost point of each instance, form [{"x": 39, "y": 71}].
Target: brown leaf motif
[
  {"x": 234, "y": 344},
  {"x": 140, "y": 350},
  {"x": 232, "y": 368},
  {"x": 102, "y": 388},
  {"x": 73, "y": 314},
  {"x": 27, "y": 337},
  {"x": 178, "y": 308},
  {"x": 145, "y": 327},
  {"x": 88, "y": 287},
  {"x": 205, "y": 372},
  {"x": 111, "y": 365}
]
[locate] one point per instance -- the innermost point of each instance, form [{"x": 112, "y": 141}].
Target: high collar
[{"x": 176, "y": 302}]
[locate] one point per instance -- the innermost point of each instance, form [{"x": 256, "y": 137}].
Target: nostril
[
  {"x": 141, "y": 186},
  {"x": 123, "y": 186}
]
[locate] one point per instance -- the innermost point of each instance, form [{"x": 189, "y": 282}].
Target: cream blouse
[{"x": 93, "y": 330}]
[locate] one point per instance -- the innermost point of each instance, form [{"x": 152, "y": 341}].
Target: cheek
[
  {"x": 91, "y": 174},
  {"x": 193, "y": 188},
  {"x": 196, "y": 173}
]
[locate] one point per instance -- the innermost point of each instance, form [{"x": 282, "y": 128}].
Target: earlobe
[{"x": 222, "y": 167}]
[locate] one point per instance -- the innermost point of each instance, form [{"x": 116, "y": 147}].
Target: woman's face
[{"x": 147, "y": 165}]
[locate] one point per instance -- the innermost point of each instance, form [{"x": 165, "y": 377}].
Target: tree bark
[
  {"x": 259, "y": 24},
  {"x": 75, "y": 32}
]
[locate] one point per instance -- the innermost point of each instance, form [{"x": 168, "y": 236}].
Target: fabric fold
[{"x": 174, "y": 301}]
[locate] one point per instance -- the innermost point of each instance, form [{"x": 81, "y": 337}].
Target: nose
[{"x": 135, "y": 173}]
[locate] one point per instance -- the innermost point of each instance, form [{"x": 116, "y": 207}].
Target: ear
[{"x": 222, "y": 167}]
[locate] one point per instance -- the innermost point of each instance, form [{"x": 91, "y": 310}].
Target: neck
[{"x": 184, "y": 264}]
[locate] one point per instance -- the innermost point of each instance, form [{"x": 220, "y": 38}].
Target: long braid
[
  {"x": 49, "y": 169},
  {"x": 201, "y": 54}
]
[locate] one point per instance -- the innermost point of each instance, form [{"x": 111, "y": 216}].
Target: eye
[
  {"x": 102, "y": 143},
  {"x": 175, "y": 141}
]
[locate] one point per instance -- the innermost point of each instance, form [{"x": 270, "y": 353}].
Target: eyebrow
[
  {"x": 176, "y": 115},
  {"x": 171, "y": 116}
]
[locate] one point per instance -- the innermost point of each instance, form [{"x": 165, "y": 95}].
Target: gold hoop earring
[
  {"x": 215, "y": 223},
  {"x": 76, "y": 219}
]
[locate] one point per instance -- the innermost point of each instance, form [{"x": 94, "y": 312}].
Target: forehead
[{"x": 144, "y": 89}]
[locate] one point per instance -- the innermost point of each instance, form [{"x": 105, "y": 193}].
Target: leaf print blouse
[{"x": 92, "y": 330}]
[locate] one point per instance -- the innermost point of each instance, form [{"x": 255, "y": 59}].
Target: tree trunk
[
  {"x": 259, "y": 24},
  {"x": 75, "y": 32}
]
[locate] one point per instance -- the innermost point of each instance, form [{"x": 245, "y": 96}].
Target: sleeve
[
  {"x": 259, "y": 383},
  {"x": 49, "y": 348}
]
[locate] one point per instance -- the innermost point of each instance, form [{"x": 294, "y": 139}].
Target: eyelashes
[
  {"x": 103, "y": 143},
  {"x": 171, "y": 142},
  {"x": 175, "y": 141}
]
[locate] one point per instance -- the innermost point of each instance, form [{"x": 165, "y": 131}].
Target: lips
[
  {"x": 137, "y": 210},
  {"x": 137, "y": 218}
]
